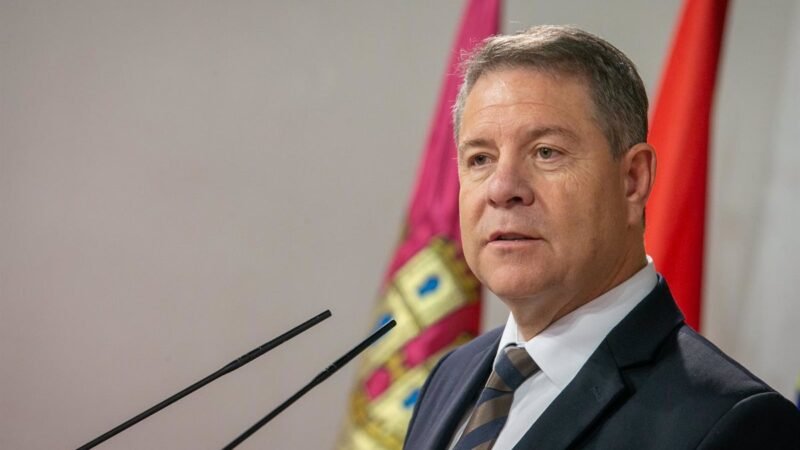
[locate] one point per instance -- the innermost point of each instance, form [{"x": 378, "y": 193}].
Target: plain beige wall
[{"x": 181, "y": 181}]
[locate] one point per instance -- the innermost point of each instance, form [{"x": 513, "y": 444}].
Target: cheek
[
  {"x": 469, "y": 214},
  {"x": 579, "y": 207},
  {"x": 469, "y": 207},
  {"x": 562, "y": 199},
  {"x": 596, "y": 209}
]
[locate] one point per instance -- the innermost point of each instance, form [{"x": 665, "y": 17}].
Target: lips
[{"x": 510, "y": 236}]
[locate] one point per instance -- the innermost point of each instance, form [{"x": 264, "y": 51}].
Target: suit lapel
[
  {"x": 581, "y": 403},
  {"x": 458, "y": 404},
  {"x": 599, "y": 385}
]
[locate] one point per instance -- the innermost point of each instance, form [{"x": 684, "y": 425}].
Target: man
[{"x": 555, "y": 171}]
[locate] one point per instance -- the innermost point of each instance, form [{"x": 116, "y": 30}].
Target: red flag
[
  {"x": 680, "y": 134},
  {"x": 427, "y": 288}
]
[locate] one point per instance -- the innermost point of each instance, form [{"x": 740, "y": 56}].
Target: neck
[{"x": 534, "y": 315}]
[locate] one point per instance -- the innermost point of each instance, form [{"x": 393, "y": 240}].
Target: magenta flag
[{"x": 427, "y": 287}]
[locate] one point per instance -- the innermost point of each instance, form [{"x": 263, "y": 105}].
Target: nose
[{"x": 510, "y": 185}]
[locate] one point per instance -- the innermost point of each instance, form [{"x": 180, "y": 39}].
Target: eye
[
  {"x": 545, "y": 152},
  {"x": 478, "y": 160}
]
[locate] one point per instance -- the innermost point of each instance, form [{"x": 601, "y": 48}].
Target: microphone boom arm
[
  {"x": 317, "y": 380},
  {"x": 228, "y": 368}
]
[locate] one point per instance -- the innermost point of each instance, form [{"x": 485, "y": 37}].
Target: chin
[{"x": 511, "y": 286}]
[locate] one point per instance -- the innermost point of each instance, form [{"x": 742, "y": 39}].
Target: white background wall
[{"x": 181, "y": 181}]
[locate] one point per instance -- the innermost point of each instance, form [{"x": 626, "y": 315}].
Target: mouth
[{"x": 510, "y": 237}]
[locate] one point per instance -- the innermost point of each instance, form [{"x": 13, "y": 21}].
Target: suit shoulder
[
  {"x": 448, "y": 375},
  {"x": 713, "y": 369},
  {"x": 765, "y": 420},
  {"x": 701, "y": 383},
  {"x": 689, "y": 391},
  {"x": 465, "y": 353}
]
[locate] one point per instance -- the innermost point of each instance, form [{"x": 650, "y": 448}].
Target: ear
[{"x": 639, "y": 174}]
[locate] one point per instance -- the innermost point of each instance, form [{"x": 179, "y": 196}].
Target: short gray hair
[{"x": 618, "y": 93}]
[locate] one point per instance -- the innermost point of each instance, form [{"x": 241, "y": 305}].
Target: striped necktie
[{"x": 513, "y": 367}]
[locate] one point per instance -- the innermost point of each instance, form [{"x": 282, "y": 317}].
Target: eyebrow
[
  {"x": 531, "y": 135},
  {"x": 539, "y": 132},
  {"x": 478, "y": 142}
]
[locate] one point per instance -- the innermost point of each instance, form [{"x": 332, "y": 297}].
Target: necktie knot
[{"x": 512, "y": 368}]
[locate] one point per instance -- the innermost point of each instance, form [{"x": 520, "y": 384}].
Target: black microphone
[
  {"x": 230, "y": 367},
  {"x": 317, "y": 380}
]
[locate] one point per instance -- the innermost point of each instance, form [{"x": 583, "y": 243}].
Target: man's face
[{"x": 542, "y": 201}]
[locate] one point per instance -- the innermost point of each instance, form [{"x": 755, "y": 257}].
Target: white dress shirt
[{"x": 562, "y": 349}]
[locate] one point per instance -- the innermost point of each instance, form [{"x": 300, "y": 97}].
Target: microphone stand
[
  {"x": 317, "y": 380},
  {"x": 228, "y": 368}
]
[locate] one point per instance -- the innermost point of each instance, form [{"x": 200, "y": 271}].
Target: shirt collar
[{"x": 565, "y": 346}]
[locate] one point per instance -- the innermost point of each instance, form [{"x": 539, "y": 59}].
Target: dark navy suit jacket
[{"x": 653, "y": 383}]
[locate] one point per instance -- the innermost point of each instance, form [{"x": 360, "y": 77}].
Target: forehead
[{"x": 524, "y": 97}]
